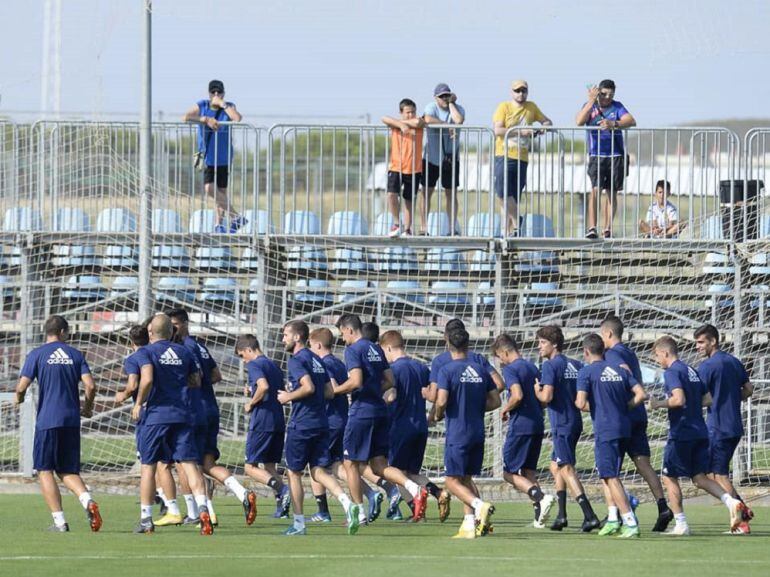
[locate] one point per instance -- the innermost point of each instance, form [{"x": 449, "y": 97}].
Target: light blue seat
[
  {"x": 123, "y": 285},
  {"x": 383, "y": 224},
  {"x": 537, "y": 226},
  {"x": 441, "y": 259},
  {"x": 219, "y": 290},
  {"x": 408, "y": 290},
  {"x": 538, "y": 261},
  {"x": 258, "y": 222},
  {"x": 485, "y": 295},
  {"x": 313, "y": 292},
  {"x": 711, "y": 229},
  {"x": 165, "y": 221},
  {"x": 718, "y": 263},
  {"x": 207, "y": 257},
  {"x": 254, "y": 286},
  {"x": 482, "y": 260},
  {"x": 84, "y": 288},
  {"x": 203, "y": 221},
  {"x": 72, "y": 220},
  {"x": 249, "y": 259},
  {"x": 438, "y": 224},
  {"x": 20, "y": 219},
  {"x": 348, "y": 223},
  {"x": 447, "y": 292},
  {"x": 542, "y": 300},
  {"x": 6, "y": 289},
  {"x": 118, "y": 220},
  {"x": 363, "y": 287},
  {"x": 759, "y": 264},
  {"x": 396, "y": 259},
  {"x": 303, "y": 222},
  {"x": 170, "y": 288},
  {"x": 720, "y": 296},
  {"x": 484, "y": 224}
]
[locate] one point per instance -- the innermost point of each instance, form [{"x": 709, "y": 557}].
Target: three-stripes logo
[
  {"x": 570, "y": 372},
  {"x": 610, "y": 375},
  {"x": 373, "y": 355},
  {"x": 204, "y": 353},
  {"x": 470, "y": 376},
  {"x": 693, "y": 375},
  {"x": 59, "y": 357},
  {"x": 318, "y": 368},
  {"x": 170, "y": 358}
]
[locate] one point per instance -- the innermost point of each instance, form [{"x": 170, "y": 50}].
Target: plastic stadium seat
[
  {"x": 348, "y": 223},
  {"x": 249, "y": 259},
  {"x": 208, "y": 258},
  {"x": 718, "y": 263},
  {"x": 314, "y": 291},
  {"x": 164, "y": 255},
  {"x": 124, "y": 284},
  {"x": 22, "y": 219},
  {"x": 759, "y": 264},
  {"x": 177, "y": 288},
  {"x": 118, "y": 220},
  {"x": 301, "y": 222},
  {"x": 484, "y": 224},
  {"x": 6, "y": 290},
  {"x": 447, "y": 293},
  {"x": 538, "y": 261},
  {"x": 218, "y": 290},
  {"x": 542, "y": 300},
  {"x": 254, "y": 290},
  {"x": 482, "y": 260},
  {"x": 304, "y": 222},
  {"x": 537, "y": 226},
  {"x": 72, "y": 220},
  {"x": 711, "y": 229},
  {"x": 383, "y": 223},
  {"x": 438, "y": 224},
  {"x": 396, "y": 259},
  {"x": 203, "y": 221},
  {"x": 84, "y": 288},
  {"x": 362, "y": 285},
  {"x": 400, "y": 288},
  {"x": 442, "y": 259},
  {"x": 486, "y": 295},
  {"x": 258, "y": 221}
]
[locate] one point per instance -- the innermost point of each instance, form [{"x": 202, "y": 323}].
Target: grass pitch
[{"x": 383, "y": 549}]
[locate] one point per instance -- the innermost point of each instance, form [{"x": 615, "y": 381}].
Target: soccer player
[
  {"x": 59, "y": 369},
  {"x": 267, "y": 425},
  {"x": 409, "y": 423},
  {"x": 729, "y": 384},
  {"x": 366, "y": 432},
  {"x": 465, "y": 393},
  {"x": 307, "y": 436},
  {"x": 605, "y": 389},
  {"x": 687, "y": 448},
  {"x": 166, "y": 434},
  {"x": 558, "y": 390},
  {"x": 206, "y": 437},
  {"x": 618, "y": 353},
  {"x": 524, "y": 414}
]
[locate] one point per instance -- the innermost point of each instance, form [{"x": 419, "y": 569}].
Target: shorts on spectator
[
  {"x": 220, "y": 172},
  {"x": 607, "y": 172},
  {"x": 517, "y": 178},
  {"x": 404, "y": 184},
  {"x": 449, "y": 179}
]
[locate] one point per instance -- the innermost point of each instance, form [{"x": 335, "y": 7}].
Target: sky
[{"x": 673, "y": 61}]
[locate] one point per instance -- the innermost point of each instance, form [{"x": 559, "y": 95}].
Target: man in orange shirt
[{"x": 405, "y": 167}]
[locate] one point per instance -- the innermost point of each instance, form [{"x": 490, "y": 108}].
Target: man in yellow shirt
[{"x": 511, "y": 160}]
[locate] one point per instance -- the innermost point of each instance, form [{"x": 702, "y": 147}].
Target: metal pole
[{"x": 145, "y": 163}]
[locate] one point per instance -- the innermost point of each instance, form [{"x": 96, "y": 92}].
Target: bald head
[{"x": 160, "y": 328}]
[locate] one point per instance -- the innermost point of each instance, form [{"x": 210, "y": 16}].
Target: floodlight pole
[{"x": 145, "y": 166}]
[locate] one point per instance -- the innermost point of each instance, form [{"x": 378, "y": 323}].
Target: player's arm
[
  {"x": 305, "y": 389},
  {"x": 442, "y": 397},
  {"x": 675, "y": 401},
  {"x": 355, "y": 381},
  {"x": 328, "y": 390},
  {"x": 493, "y": 400},
  {"x": 497, "y": 380},
  {"x": 260, "y": 390},
  {"x": 581, "y": 401},
  {"x": 706, "y": 400},
  {"x": 430, "y": 395},
  {"x": 132, "y": 384},
  {"x": 639, "y": 396},
  {"x": 21, "y": 389},
  {"x": 216, "y": 376},
  {"x": 145, "y": 384},
  {"x": 90, "y": 394},
  {"x": 544, "y": 393},
  {"x": 390, "y": 395},
  {"x": 388, "y": 382},
  {"x": 515, "y": 396},
  {"x": 194, "y": 379},
  {"x": 747, "y": 389}
]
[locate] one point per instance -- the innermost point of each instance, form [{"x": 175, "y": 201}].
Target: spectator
[
  {"x": 662, "y": 217},
  {"x": 442, "y": 153},
  {"x": 607, "y": 163},
  {"x": 216, "y": 150},
  {"x": 405, "y": 170},
  {"x": 511, "y": 172}
]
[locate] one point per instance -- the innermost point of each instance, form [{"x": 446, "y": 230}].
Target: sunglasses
[
  {"x": 520, "y": 90},
  {"x": 606, "y": 94},
  {"x": 220, "y": 92}
]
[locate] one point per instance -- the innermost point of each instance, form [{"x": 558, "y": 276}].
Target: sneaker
[
  {"x": 607, "y": 233},
  {"x": 220, "y": 228},
  {"x": 292, "y": 530},
  {"x": 59, "y": 528},
  {"x": 321, "y": 517},
  {"x": 629, "y": 532},
  {"x": 408, "y": 232},
  {"x": 444, "y": 502},
  {"x": 214, "y": 519},
  {"x": 395, "y": 231},
  {"x": 352, "y": 516},
  {"x": 160, "y": 502},
  {"x": 394, "y": 499},
  {"x": 485, "y": 518},
  {"x": 191, "y": 521},
  {"x": 375, "y": 507},
  {"x": 559, "y": 523},
  {"x": 237, "y": 223},
  {"x": 591, "y": 524},
  {"x": 93, "y": 515},
  {"x": 397, "y": 515},
  {"x": 591, "y": 233},
  {"x": 742, "y": 529},
  {"x": 250, "y": 507},
  {"x": 610, "y": 528},
  {"x": 282, "y": 504},
  {"x": 168, "y": 519},
  {"x": 420, "y": 504},
  {"x": 633, "y": 502},
  {"x": 678, "y": 530},
  {"x": 736, "y": 514},
  {"x": 207, "y": 527},
  {"x": 513, "y": 233},
  {"x": 465, "y": 533},
  {"x": 748, "y": 514},
  {"x": 664, "y": 518},
  {"x": 145, "y": 526},
  {"x": 546, "y": 504}
]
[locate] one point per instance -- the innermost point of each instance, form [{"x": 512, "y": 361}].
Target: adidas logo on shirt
[
  {"x": 609, "y": 375},
  {"x": 204, "y": 353},
  {"x": 470, "y": 376},
  {"x": 373, "y": 356},
  {"x": 170, "y": 358},
  {"x": 318, "y": 367},
  {"x": 693, "y": 375},
  {"x": 570, "y": 372},
  {"x": 59, "y": 357}
]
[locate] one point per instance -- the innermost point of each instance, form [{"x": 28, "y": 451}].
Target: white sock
[
  {"x": 200, "y": 501},
  {"x": 209, "y": 505},
  {"x": 370, "y": 493},
  {"x": 681, "y": 520},
  {"x": 162, "y": 496},
  {"x": 727, "y": 500},
  {"x": 412, "y": 487},
  {"x": 58, "y": 518},
  {"x": 146, "y": 511},
  {"x": 84, "y": 498},
  {"x": 299, "y": 521},
  {"x": 612, "y": 514},
  {"x": 192, "y": 506},
  {"x": 173, "y": 507},
  {"x": 235, "y": 486},
  {"x": 362, "y": 517},
  {"x": 344, "y": 501},
  {"x": 469, "y": 520},
  {"x": 476, "y": 504},
  {"x": 629, "y": 519}
]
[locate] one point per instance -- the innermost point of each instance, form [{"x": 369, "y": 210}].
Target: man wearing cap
[
  {"x": 511, "y": 168},
  {"x": 216, "y": 150},
  {"x": 442, "y": 153}
]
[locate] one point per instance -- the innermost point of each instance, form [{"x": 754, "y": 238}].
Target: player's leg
[
  {"x": 457, "y": 487},
  {"x": 419, "y": 494},
  {"x": 323, "y": 478},
  {"x": 185, "y": 451},
  {"x": 564, "y": 456},
  {"x": 52, "y": 496},
  {"x": 644, "y": 468},
  {"x": 146, "y": 498},
  {"x": 165, "y": 486},
  {"x": 74, "y": 482},
  {"x": 675, "y": 499},
  {"x": 247, "y": 498},
  {"x": 608, "y": 455}
]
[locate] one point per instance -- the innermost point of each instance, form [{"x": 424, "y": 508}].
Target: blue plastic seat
[
  {"x": 441, "y": 259},
  {"x": 20, "y": 219},
  {"x": 408, "y": 290},
  {"x": 203, "y": 221},
  {"x": 206, "y": 257},
  {"x": 123, "y": 285},
  {"x": 7, "y": 291},
  {"x": 303, "y": 222},
  {"x": 165, "y": 255},
  {"x": 171, "y": 288},
  {"x": 383, "y": 224},
  {"x": 258, "y": 221},
  {"x": 718, "y": 263},
  {"x": 720, "y": 295},
  {"x": 84, "y": 288},
  {"x": 538, "y": 261},
  {"x": 438, "y": 224},
  {"x": 363, "y": 287},
  {"x": 219, "y": 290},
  {"x": 542, "y": 300},
  {"x": 482, "y": 260},
  {"x": 72, "y": 220},
  {"x": 448, "y": 293},
  {"x": 486, "y": 295},
  {"x": 348, "y": 223},
  {"x": 118, "y": 220},
  {"x": 313, "y": 291},
  {"x": 396, "y": 259},
  {"x": 254, "y": 286},
  {"x": 484, "y": 224},
  {"x": 249, "y": 259}
]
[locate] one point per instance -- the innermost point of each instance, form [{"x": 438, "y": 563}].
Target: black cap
[{"x": 217, "y": 85}]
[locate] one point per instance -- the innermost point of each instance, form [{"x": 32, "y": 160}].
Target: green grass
[{"x": 382, "y": 549}]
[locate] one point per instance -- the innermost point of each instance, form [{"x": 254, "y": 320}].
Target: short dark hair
[
  {"x": 453, "y": 325},
  {"x": 349, "y": 320},
  {"x": 406, "y": 102},
  {"x": 370, "y": 331},
  {"x": 667, "y": 344},
  {"x": 614, "y": 324},
  {"x": 594, "y": 344},
  {"x": 505, "y": 342},
  {"x": 708, "y": 331},
  {"x": 300, "y": 329},
  {"x": 607, "y": 83},
  {"x": 139, "y": 335},
  {"x": 458, "y": 340},
  {"x": 246, "y": 342},
  {"x": 56, "y": 325},
  {"x": 665, "y": 185},
  {"x": 552, "y": 334},
  {"x": 180, "y": 314}
]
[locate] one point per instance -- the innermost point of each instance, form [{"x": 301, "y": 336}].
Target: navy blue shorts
[
  {"x": 264, "y": 447},
  {"x": 57, "y": 450},
  {"x": 638, "y": 444},
  {"x": 685, "y": 458},
  {"x": 521, "y": 452},
  {"x": 335, "y": 444},
  {"x": 212, "y": 432},
  {"x": 305, "y": 448},
  {"x": 365, "y": 439},
  {"x": 517, "y": 178},
  {"x": 721, "y": 453},
  {"x": 462, "y": 460},
  {"x": 609, "y": 457},
  {"x": 200, "y": 432},
  {"x": 564, "y": 446},
  {"x": 167, "y": 443},
  {"x": 407, "y": 450}
]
